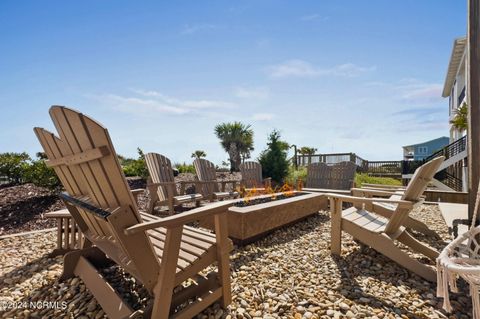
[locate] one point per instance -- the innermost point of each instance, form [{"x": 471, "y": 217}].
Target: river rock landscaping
[{"x": 288, "y": 274}]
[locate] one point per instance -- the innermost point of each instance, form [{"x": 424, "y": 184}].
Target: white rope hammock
[{"x": 461, "y": 258}]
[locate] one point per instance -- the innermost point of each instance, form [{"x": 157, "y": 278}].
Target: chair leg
[
  {"x": 336, "y": 227},
  {"x": 418, "y": 246},
  {"x": 70, "y": 260},
  {"x": 221, "y": 229},
  {"x": 163, "y": 290},
  {"x": 153, "y": 200}
]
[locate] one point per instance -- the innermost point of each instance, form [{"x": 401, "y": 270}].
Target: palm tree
[
  {"x": 460, "y": 121},
  {"x": 305, "y": 150},
  {"x": 199, "y": 154},
  {"x": 237, "y": 140}
]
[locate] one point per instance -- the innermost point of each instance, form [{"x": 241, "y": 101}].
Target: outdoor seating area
[
  {"x": 183, "y": 270},
  {"x": 212, "y": 169}
]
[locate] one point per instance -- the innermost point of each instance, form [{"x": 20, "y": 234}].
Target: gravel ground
[{"x": 288, "y": 274}]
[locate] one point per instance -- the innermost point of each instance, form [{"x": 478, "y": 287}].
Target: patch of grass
[{"x": 361, "y": 178}]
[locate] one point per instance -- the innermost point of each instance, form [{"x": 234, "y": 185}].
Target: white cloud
[
  {"x": 138, "y": 105},
  {"x": 412, "y": 91},
  {"x": 300, "y": 68},
  {"x": 151, "y": 102},
  {"x": 262, "y": 116},
  {"x": 251, "y": 92},
  {"x": 192, "y": 104},
  {"x": 195, "y": 28},
  {"x": 422, "y": 92}
]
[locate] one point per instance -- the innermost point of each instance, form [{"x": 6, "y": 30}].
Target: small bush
[
  {"x": 361, "y": 178},
  {"x": 134, "y": 167},
  {"x": 274, "y": 159},
  {"x": 185, "y": 168},
  {"x": 40, "y": 174},
  {"x": 13, "y": 166},
  {"x": 295, "y": 175},
  {"x": 20, "y": 168}
]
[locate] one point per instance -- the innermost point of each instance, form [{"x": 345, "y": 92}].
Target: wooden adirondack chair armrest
[
  {"x": 183, "y": 185},
  {"x": 365, "y": 200},
  {"x": 136, "y": 192},
  {"x": 187, "y": 182},
  {"x": 162, "y": 184},
  {"x": 362, "y": 192},
  {"x": 181, "y": 219},
  {"x": 224, "y": 183},
  {"x": 169, "y": 185}
]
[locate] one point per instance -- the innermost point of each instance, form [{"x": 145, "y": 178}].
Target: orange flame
[{"x": 286, "y": 190}]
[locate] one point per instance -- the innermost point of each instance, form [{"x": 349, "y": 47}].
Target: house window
[
  {"x": 461, "y": 97},
  {"x": 422, "y": 150}
]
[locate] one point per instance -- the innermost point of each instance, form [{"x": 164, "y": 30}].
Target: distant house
[
  {"x": 455, "y": 81},
  {"x": 420, "y": 151}
]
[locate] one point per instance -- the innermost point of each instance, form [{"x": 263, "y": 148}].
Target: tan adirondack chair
[
  {"x": 163, "y": 189},
  {"x": 337, "y": 178},
  {"x": 207, "y": 181},
  {"x": 379, "y": 232},
  {"x": 252, "y": 177},
  {"x": 160, "y": 253},
  {"x": 387, "y": 209}
]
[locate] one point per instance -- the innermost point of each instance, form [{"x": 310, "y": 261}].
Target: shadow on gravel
[
  {"x": 366, "y": 262},
  {"x": 28, "y": 270}
]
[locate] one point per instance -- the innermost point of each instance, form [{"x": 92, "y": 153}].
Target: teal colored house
[{"x": 420, "y": 151}]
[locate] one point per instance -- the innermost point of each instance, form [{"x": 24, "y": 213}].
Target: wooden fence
[{"x": 392, "y": 169}]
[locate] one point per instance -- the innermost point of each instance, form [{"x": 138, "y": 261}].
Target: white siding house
[{"x": 455, "y": 81}]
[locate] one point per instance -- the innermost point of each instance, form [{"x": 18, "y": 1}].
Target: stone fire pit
[{"x": 261, "y": 215}]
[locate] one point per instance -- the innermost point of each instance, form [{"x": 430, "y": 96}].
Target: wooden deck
[{"x": 452, "y": 212}]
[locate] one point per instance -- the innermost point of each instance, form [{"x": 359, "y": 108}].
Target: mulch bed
[{"x": 22, "y": 208}]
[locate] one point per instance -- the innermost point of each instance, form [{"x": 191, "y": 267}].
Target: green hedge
[{"x": 19, "y": 168}]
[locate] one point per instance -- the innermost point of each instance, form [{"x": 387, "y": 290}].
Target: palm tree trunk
[{"x": 235, "y": 158}]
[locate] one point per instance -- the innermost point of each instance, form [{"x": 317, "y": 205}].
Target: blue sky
[{"x": 341, "y": 76}]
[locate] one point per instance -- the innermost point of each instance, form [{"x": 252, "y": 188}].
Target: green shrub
[
  {"x": 40, "y": 174},
  {"x": 134, "y": 167},
  {"x": 13, "y": 166},
  {"x": 361, "y": 178},
  {"x": 185, "y": 168},
  {"x": 274, "y": 159},
  {"x": 294, "y": 175}
]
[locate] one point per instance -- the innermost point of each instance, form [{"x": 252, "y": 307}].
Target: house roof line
[{"x": 455, "y": 60}]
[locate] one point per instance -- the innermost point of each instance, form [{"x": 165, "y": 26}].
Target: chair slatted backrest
[
  {"x": 206, "y": 172},
  {"x": 251, "y": 174},
  {"x": 160, "y": 170},
  {"x": 87, "y": 165},
  {"x": 415, "y": 188},
  {"x": 342, "y": 175},
  {"x": 318, "y": 175}
]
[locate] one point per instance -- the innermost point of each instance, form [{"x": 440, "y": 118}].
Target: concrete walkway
[{"x": 451, "y": 212}]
